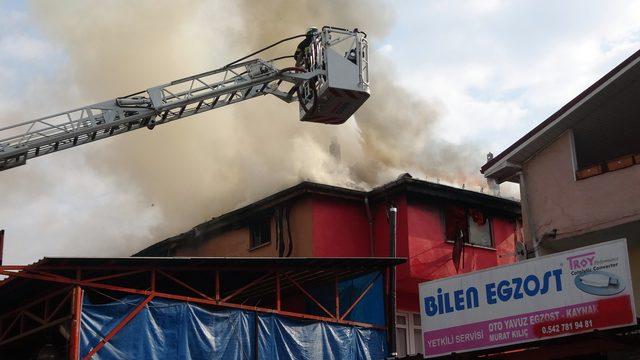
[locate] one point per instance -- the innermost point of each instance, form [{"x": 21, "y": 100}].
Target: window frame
[
  {"x": 259, "y": 222},
  {"x": 574, "y": 155},
  {"x": 489, "y": 217},
  {"x": 409, "y": 326},
  {"x": 598, "y": 168},
  {"x": 491, "y": 237}
]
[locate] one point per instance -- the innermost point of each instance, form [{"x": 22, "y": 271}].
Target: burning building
[
  {"x": 319, "y": 221},
  {"x": 267, "y": 279}
]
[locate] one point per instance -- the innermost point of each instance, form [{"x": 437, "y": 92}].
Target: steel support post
[
  {"x": 278, "y": 299},
  {"x": 1, "y": 245},
  {"x": 217, "y": 285},
  {"x": 393, "y": 217},
  {"x": 76, "y": 321},
  {"x": 337, "y": 290}
]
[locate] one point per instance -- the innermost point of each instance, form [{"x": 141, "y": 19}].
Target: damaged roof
[{"x": 403, "y": 185}]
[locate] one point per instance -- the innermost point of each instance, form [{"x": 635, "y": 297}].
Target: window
[
  {"x": 260, "y": 232},
  {"x": 402, "y": 341},
  {"x": 456, "y": 224},
  {"x": 479, "y": 228},
  {"x": 608, "y": 139},
  {"x": 408, "y": 334},
  {"x": 472, "y": 225}
]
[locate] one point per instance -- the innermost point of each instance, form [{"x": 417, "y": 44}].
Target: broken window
[
  {"x": 455, "y": 221},
  {"x": 260, "y": 230},
  {"x": 479, "y": 228},
  {"x": 472, "y": 225}
]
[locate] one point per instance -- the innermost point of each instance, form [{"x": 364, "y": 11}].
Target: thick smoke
[
  {"x": 199, "y": 167},
  {"x": 395, "y": 128}
]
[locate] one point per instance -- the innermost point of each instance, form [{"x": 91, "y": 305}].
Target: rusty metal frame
[
  {"x": 76, "y": 285},
  {"x": 14, "y": 327},
  {"x": 361, "y": 296},
  {"x": 76, "y": 321}
]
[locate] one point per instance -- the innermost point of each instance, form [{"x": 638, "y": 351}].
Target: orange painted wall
[{"x": 236, "y": 242}]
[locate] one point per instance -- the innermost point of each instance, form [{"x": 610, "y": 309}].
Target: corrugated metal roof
[{"x": 221, "y": 262}]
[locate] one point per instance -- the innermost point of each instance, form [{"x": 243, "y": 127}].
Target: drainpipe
[
  {"x": 279, "y": 233},
  {"x": 372, "y": 246},
  {"x": 524, "y": 203},
  {"x": 393, "y": 216},
  {"x": 1, "y": 245}
]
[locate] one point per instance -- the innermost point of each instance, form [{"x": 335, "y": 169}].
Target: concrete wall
[
  {"x": 593, "y": 210},
  {"x": 633, "y": 244},
  {"x": 557, "y": 201}
]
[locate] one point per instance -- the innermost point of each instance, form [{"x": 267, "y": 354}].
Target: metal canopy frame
[
  {"x": 37, "y": 315},
  {"x": 231, "y": 287}
]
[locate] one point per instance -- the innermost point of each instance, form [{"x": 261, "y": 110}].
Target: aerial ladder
[{"x": 330, "y": 81}]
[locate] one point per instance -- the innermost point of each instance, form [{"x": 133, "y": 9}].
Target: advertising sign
[{"x": 551, "y": 296}]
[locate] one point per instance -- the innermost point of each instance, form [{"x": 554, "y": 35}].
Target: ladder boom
[
  {"x": 157, "y": 105},
  {"x": 182, "y": 98}
]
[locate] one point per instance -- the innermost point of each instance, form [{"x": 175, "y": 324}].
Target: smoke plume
[{"x": 164, "y": 181}]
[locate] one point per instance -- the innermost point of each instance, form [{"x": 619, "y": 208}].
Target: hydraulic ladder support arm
[{"x": 193, "y": 95}]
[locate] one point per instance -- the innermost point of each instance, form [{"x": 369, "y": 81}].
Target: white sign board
[{"x": 556, "y": 295}]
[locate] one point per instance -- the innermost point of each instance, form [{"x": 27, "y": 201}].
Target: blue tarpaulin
[
  {"x": 282, "y": 338},
  {"x": 370, "y": 309},
  {"x": 167, "y": 329}
]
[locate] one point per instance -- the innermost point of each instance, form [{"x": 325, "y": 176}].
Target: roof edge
[
  {"x": 404, "y": 183},
  {"x": 540, "y": 127}
]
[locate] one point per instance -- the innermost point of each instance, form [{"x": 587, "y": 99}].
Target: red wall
[
  {"x": 429, "y": 255},
  {"x": 407, "y": 301},
  {"x": 340, "y": 228},
  {"x": 504, "y": 236},
  {"x": 381, "y": 232}
]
